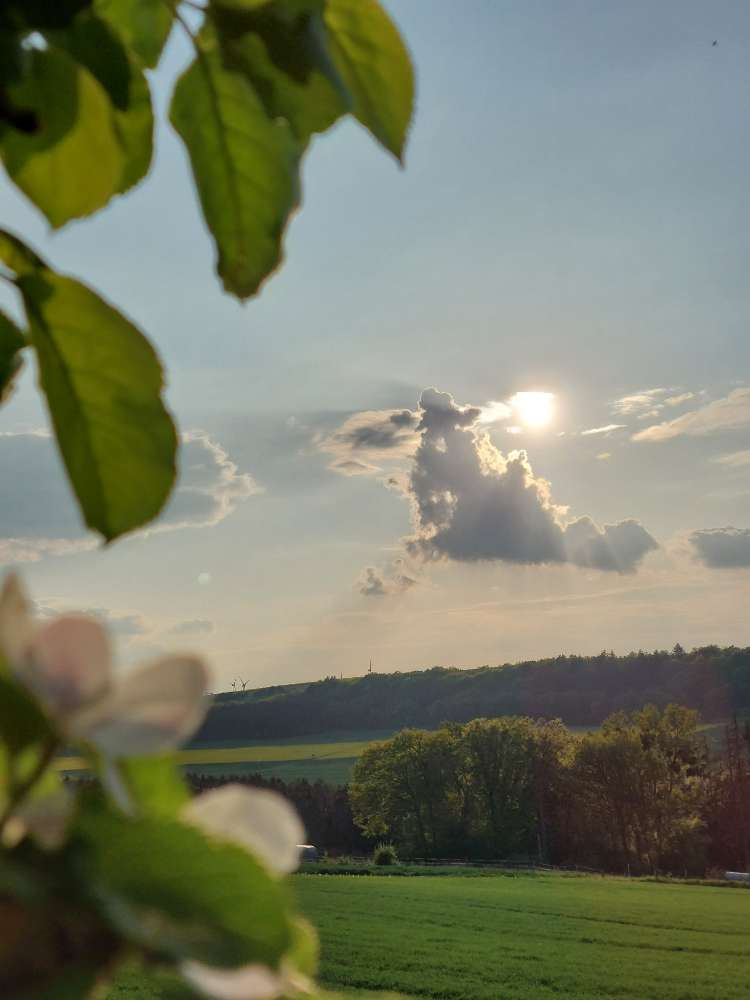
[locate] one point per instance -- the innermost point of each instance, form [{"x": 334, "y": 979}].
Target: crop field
[
  {"x": 327, "y": 757},
  {"x": 527, "y": 937}
]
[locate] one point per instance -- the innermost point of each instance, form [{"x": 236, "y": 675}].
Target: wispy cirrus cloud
[
  {"x": 637, "y": 402},
  {"x": 734, "y": 459},
  {"x": 606, "y": 429},
  {"x": 730, "y": 413}
]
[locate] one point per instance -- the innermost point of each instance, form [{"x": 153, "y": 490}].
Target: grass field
[{"x": 530, "y": 937}]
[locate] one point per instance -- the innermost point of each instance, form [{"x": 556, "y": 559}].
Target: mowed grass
[{"x": 530, "y": 937}]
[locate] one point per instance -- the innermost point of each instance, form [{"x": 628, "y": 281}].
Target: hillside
[{"x": 581, "y": 690}]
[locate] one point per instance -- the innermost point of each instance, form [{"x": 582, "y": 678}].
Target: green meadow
[{"x": 529, "y": 937}]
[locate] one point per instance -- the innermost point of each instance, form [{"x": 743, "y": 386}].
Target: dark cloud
[
  {"x": 371, "y": 436},
  {"x": 350, "y": 467},
  {"x": 371, "y": 583},
  {"x": 473, "y": 503},
  {"x": 395, "y": 579},
  {"x": 722, "y": 548},
  {"x": 193, "y": 626},
  {"x": 618, "y": 547}
]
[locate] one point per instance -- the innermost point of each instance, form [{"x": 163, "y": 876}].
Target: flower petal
[
  {"x": 67, "y": 663},
  {"x": 16, "y": 623},
  {"x": 154, "y": 708},
  {"x": 255, "y": 818},
  {"x": 248, "y": 982},
  {"x": 46, "y": 819}
]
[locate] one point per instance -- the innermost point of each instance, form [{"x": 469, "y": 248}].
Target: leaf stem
[{"x": 21, "y": 790}]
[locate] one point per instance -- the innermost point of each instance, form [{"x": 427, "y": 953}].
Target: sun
[{"x": 533, "y": 409}]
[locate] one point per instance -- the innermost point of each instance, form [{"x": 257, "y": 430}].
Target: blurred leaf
[
  {"x": 245, "y": 167},
  {"x": 39, "y": 15},
  {"x": 287, "y": 64},
  {"x": 168, "y": 888},
  {"x": 103, "y": 384},
  {"x": 305, "y": 948},
  {"x": 144, "y": 25},
  {"x": 376, "y": 67},
  {"x": 12, "y": 342},
  {"x": 155, "y": 785},
  {"x": 20, "y": 258},
  {"x": 22, "y": 722},
  {"x": 93, "y": 43},
  {"x": 72, "y": 164}
]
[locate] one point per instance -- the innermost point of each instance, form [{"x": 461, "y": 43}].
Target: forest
[
  {"x": 642, "y": 795},
  {"x": 579, "y": 690}
]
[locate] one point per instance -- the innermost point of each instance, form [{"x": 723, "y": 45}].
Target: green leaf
[
  {"x": 287, "y": 64},
  {"x": 144, "y": 25},
  {"x": 154, "y": 784},
  {"x": 168, "y": 888},
  {"x": 375, "y": 64},
  {"x": 12, "y": 342},
  {"x": 245, "y": 167},
  {"x": 93, "y": 43},
  {"x": 22, "y": 722},
  {"x": 103, "y": 384},
  {"x": 72, "y": 164}
]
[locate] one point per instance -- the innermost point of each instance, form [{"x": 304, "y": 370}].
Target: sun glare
[{"x": 533, "y": 409}]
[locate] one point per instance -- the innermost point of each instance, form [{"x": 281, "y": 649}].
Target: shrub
[{"x": 385, "y": 854}]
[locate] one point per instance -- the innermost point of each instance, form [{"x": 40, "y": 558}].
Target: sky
[{"x": 364, "y": 474}]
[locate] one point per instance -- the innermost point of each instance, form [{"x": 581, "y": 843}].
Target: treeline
[
  {"x": 580, "y": 690},
  {"x": 641, "y": 794}
]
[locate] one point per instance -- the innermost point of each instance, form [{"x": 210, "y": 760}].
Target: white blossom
[
  {"x": 67, "y": 665},
  {"x": 248, "y": 982},
  {"x": 257, "y": 819}
]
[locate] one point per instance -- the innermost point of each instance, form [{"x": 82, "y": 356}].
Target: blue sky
[{"x": 572, "y": 219}]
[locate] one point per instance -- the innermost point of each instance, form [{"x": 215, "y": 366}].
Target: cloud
[
  {"x": 380, "y": 583},
  {"x": 607, "y": 429},
  {"x": 193, "y": 626},
  {"x": 604, "y": 455},
  {"x": 722, "y": 548},
  {"x": 350, "y": 467},
  {"x": 29, "y": 550},
  {"x": 38, "y": 516},
  {"x": 734, "y": 459},
  {"x": 210, "y": 486},
  {"x": 727, "y": 414},
  {"x": 638, "y": 402},
  {"x": 472, "y": 503},
  {"x": 371, "y": 436},
  {"x": 678, "y": 400}
]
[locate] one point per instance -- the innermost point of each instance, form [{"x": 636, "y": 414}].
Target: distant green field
[
  {"x": 530, "y": 937},
  {"x": 331, "y": 770},
  {"x": 327, "y": 757}
]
